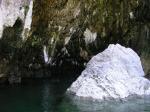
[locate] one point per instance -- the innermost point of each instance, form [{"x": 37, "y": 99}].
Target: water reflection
[
  {"x": 131, "y": 105},
  {"x": 46, "y": 96}
]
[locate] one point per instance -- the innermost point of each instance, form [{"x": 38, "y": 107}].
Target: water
[{"x": 49, "y": 96}]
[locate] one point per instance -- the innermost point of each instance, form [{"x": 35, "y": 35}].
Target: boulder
[{"x": 115, "y": 73}]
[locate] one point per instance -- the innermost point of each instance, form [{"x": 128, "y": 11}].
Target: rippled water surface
[{"x": 49, "y": 96}]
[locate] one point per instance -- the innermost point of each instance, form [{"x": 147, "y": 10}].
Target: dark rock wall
[
  {"x": 120, "y": 21},
  {"x": 60, "y": 25}
]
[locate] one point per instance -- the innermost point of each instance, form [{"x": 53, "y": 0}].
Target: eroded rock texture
[
  {"x": 13, "y": 21},
  {"x": 114, "y": 73},
  {"x": 77, "y": 30},
  {"x": 42, "y": 33},
  {"x": 10, "y": 11}
]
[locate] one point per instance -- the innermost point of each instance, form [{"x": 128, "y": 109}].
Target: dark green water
[{"x": 49, "y": 96}]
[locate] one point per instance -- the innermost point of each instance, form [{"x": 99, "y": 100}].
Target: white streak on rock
[
  {"x": 1, "y": 23},
  {"x": 89, "y": 36},
  {"x": 45, "y": 53},
  {"x": 28, "y": 21},
  {"x": 67, "y": 39},
  {"x": 131, "y": 15}
]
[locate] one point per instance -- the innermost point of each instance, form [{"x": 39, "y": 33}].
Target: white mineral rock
[
  {"x": 10, "y": 11},
  {"x": 1, "y": 23},
  {"x": 89, "y": 36},
  {"x": 131, "y": 15},
  {"x": 46, "y": 56},
  {"x": 28, "y": 21},
  {"x": 115, "y": 73}
]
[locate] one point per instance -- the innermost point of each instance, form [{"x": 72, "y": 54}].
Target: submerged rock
[{"x": 115, "y": 73}]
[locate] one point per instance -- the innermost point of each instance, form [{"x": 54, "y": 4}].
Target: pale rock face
[
  {"x": 67, "y": 39},
  {"x": 131, "y": 15},
  {"x": 46, "y": 56},
  {"x": 115, "y": 73},
  {"x": 28, "y": 21},
  {"x": 89, "y": 36},
  {"x": 1, "y": 23},
  {"x": 10, "y": 11}
]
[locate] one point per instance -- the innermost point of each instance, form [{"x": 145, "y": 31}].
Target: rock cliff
[{"x": 44, "y": 33}]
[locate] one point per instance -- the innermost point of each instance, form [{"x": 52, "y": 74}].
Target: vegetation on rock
[{"x": 60, "y": 25}]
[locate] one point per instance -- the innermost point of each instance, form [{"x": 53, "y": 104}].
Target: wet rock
[{"x": 115, "y": 73}]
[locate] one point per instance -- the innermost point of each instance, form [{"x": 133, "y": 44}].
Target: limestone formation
[{"x": 115, "y": 73}]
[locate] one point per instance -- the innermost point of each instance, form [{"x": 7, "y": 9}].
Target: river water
[{"x": 49, "y": 96}]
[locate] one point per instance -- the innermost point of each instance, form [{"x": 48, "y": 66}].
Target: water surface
[{"x": 49, "y": 96}]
